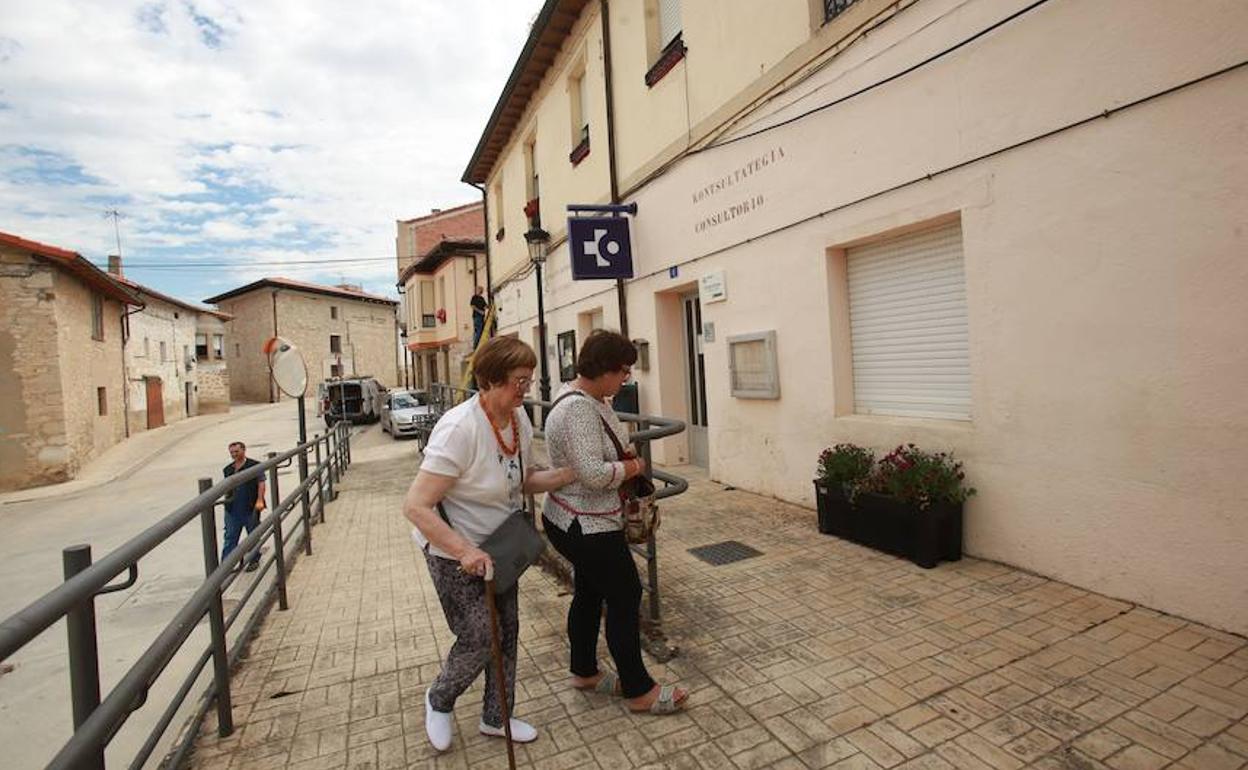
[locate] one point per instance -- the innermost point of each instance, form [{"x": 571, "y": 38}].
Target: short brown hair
[
  {"x": 498, "y": 356},
  {"x": 604, "y": 351}
]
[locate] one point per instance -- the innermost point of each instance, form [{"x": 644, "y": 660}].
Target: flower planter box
[
  {"x": 835, "y": 512},
  {"x": 892, "y": 526}
]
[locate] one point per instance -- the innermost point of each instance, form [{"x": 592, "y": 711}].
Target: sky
[{"x": 236, "y": 139}]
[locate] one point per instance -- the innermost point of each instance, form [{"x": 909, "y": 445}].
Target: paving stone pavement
[{"x": 818, "y": 653}]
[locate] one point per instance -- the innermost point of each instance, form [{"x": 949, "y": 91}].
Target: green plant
[
  {"x": 921, "y": 478},
  {"x": 845, "y": 467}
]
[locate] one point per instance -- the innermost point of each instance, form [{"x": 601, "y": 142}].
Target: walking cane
[{"x": 497, "y": 649}]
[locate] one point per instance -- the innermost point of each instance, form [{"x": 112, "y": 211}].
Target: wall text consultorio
[{"x": 742, "y": 205}]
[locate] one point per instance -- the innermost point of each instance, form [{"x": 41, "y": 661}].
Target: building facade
[
  {"x": 341, "y": 332},
  {"x": 984, "y": 227},
  {"x": 437, "y": 283},
  {"x": 62, "y": 326},
  {"x": 175, "y": 358}
]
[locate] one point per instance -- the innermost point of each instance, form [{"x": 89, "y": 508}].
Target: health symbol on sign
[{"x": 591, "y": 248}]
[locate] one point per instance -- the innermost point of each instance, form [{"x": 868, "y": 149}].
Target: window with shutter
[
  {"x": 908, "y": 326},
  {"x": 669, "y": 21}
]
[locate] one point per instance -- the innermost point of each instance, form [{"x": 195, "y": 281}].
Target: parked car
[
  {"x": 406, "y": 413},
  {"x": 356, "y": 399}
]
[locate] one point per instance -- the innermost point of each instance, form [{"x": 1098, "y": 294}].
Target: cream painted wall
[
  {"x": 548, "y": 120},
  {"x": 1105, "y": 280}
]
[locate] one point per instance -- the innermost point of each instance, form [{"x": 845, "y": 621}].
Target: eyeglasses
[
  {"x": 627, "y": 371},
  {"x": 521, "y": 383}
]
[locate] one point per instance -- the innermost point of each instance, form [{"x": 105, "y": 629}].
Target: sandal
[
  {"x": 665, "y": 703},
  {"x": 607, "y": 684}
]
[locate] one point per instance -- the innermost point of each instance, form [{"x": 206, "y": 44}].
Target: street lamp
[{"x": 538, "y": 240}]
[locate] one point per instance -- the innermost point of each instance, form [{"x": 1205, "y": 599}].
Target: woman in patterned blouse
[{"x": 584, "y": 522}]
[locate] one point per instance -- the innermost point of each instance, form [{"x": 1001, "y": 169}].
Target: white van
[{"x": 356, "y": 399}]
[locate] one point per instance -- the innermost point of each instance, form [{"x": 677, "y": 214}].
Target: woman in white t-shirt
[{"x": 472, "y": 469}]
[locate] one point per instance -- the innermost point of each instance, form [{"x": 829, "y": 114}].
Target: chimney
[
  {"x": 435, "y": 211},
  {"x": 114, "y": 265}
]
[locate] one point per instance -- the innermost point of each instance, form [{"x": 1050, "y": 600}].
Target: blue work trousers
[{"x": 234, "y": 526}]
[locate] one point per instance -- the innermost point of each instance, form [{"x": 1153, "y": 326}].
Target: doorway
[
  {"x": 189, "y": 390},
  {"x": 695, "y": 380},
  {"x": 155, "y": 402}
]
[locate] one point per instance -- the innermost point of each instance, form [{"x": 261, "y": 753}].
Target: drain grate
[{"x": 724, "y": 553}]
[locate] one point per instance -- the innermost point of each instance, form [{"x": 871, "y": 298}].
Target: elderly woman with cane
[
  {"x": 584, "y": 522},
  {"x": 473, "y": 478}
]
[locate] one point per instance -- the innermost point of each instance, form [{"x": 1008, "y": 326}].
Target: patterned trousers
[{"x": 463, "y": 603}]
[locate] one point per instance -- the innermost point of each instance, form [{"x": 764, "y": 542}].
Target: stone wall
[
  {"x": 214, "y": 388},
  {"x": 366, "y": 332},
  {"x": 160, "y": 322},
  {"x": 86, "y": 365},
  {"x": 33, "y": 445},
  {"x": 251, "y": 325}
]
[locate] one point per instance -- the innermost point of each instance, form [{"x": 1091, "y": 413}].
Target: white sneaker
[
  {"x": 439, "y": 726},
  {"x": 521, "y": 732}
]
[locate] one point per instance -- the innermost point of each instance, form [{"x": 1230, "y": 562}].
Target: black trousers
[{"x": 604, "y": 572}]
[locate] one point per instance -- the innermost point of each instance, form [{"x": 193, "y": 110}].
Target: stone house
[
  {"x": 341, "y": 331},
  {"x": 983, "y": 226},
  {"x": 441, "y": 261},
  {"x": 62, "y": 382}
]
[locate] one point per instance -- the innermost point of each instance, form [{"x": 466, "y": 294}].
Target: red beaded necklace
[{"x": 515, "y": 432}]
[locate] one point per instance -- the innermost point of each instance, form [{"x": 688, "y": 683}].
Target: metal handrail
[{"x": 96, "y": 722}]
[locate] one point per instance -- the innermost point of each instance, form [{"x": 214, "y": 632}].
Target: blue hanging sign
[{"x": 600, "y": 248}]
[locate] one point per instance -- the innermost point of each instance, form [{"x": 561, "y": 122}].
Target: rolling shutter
[
  {"x": 669, "y": 21},
  {"x": 908, "y": 326}
]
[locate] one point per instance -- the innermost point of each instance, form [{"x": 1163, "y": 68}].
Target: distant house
[
  {"x": 62, "y": 381},
  {"x": 175, "y": 358},
  {"x": 340, "y": 330},
  {"x": 441, "y": 261}
]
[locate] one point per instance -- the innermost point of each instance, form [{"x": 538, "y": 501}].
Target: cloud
[{"x": 244, "y": 133}]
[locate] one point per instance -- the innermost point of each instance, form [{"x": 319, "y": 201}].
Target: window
[
  {"x": 908, "y": 325},
  {"x": 201, "y": 347},
  {"x": 164, "y": 354},
  {"x": 669, "y": 21},
  {"x": 442, "y": 294},
  {"x": 335, "y": 370},
  {"x": 752, "y": 370},
  {"x": 427, "y": 309},
  {"x": 238, "y": 350},
  {"x": 533, "y": 191},
  {"x": 333, "y": 312},
  {"x": 97, "y": 317},
  {"x": 335, "y": 343},
  {"x": 578, "y": 94},
  {"x": 101, "y": 401},
  {"x": 498, "y": 208},
  {"x": 147, "y": 347},
  {"x": 664, "y": 42},
  {"x": 218, "y": 346},
  {"x": 832, "y": 8}
]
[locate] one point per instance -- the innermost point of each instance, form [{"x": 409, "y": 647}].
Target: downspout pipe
[
  {"x": 273, "y": 397},
  {"x": 485, "y": 214},
  {"x": 611, "y": 160}
]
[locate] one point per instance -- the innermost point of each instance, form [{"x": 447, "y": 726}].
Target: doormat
[{"x": 724, "y": 553}]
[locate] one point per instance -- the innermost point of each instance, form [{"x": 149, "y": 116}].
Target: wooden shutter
[{"x": 908, "y": 326}]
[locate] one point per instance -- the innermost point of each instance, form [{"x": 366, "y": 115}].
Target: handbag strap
[{"x": 619, "y": 448}]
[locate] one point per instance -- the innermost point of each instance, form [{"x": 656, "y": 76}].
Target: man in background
[
  {"x": 479, "y": 307},
  {"x": 243, "y": 505}
]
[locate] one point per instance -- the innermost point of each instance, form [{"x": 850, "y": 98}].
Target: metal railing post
[
  {"x": 652, "y": 551},
  {"x": 329, "y": 462},
  {"x": 305, "y": 505},
  {"x": 347, "y": 444},
  {"x": 216, "y": 619},
  {"x": 320, "y": 481},
  {"x": 84, "y": 658},
  {"x": 278, "y": 546}
]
